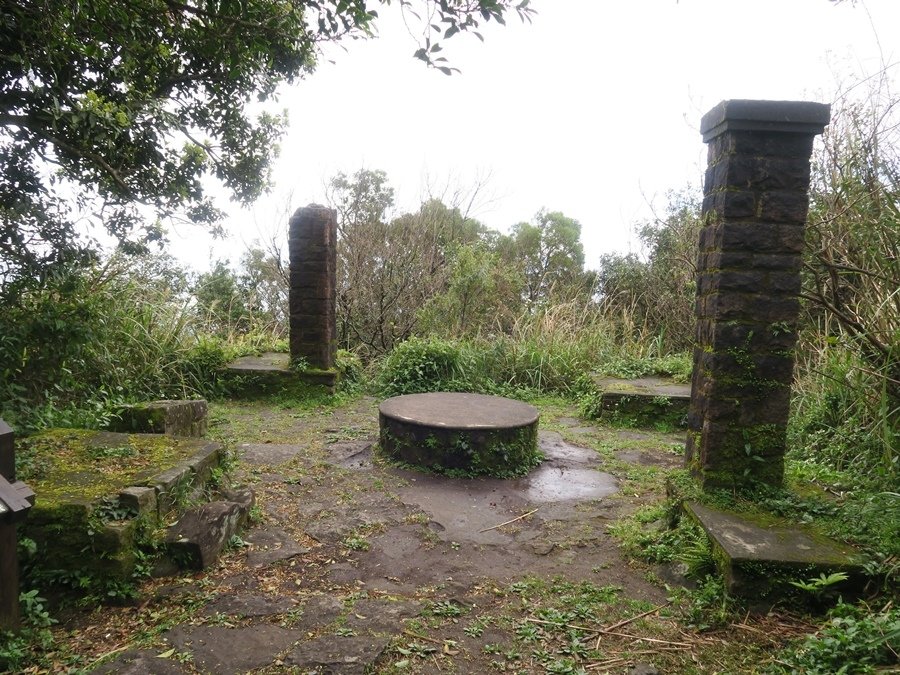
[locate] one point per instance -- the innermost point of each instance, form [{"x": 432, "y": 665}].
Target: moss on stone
[
  {"x": 62, "y": 465},
  {"x": 77, "y": 522}
]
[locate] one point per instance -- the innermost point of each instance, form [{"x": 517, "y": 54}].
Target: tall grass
[
  {"x": 551, "y": 349},
  {"x": 88, "y": 340}
]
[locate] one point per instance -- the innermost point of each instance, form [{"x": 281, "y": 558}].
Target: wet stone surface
[
  {"x": 347, "y": 550},
  {"x": 230, "y": 651}
]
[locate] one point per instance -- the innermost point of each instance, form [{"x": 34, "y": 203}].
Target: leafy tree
[
  {"x": 388, "y": 268},
  {"x": 654, "y": 293},
  {"x": 482, "y": 295},
  {"x": 550, "y": 253},
  {"x": 264, "y": 281},
  {"x": 119, "y": 110},
  {"x": 221, "y": 302}
]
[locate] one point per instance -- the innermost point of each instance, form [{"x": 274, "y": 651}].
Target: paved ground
[{"x": 352, "y": 566}]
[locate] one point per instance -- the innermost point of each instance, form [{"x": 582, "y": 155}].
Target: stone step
[
  {"x": 201, "y": 534},
  {"x": 758, "y": 556}
]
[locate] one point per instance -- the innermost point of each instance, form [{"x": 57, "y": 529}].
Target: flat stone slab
[
  {"x": 470, "y": 433},
  {"x": 644, "y": 401},
  {"x": 451, "y": 410},
  {"x": 271, "y": 545},
  {"x": 271, "y": 371},
  {"x": 264, "y": 454},
  {"x": 330, "y": 654},
  {"x": 644, "y": 386},
  {"x": 270, "y": 361},
  {"x": 248, "y": 605},
  {"x": 141, "y": 662},
  {"x": 754, "y": 549},
  {"x": 227, "y": 651},
  {"x": 380, "y": 616}
]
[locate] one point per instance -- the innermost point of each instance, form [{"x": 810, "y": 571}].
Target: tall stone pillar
[
  {"x": 754, "y": 211},
  {"x": 312, "y": 249}
]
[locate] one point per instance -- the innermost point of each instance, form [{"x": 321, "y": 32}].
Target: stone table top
[{"x": 459, "y": 411}]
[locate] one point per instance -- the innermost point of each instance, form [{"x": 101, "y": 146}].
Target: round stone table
[{"x": 461, "y": 434}]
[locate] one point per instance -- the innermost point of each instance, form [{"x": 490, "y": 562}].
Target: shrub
[
  {"x": 854, "y": 640},
  {"x": 422, "y": 365}
]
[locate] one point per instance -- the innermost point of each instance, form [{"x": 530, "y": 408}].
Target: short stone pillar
[
  {"x": 754, "y": 211},
  {"x": 312, "y": 249},
  {"x": 16, "y": 498}
]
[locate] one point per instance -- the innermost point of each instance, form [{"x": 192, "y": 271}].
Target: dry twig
[
  {"x": 627, "y": 621},
  {"x": 524, "y": 515}
]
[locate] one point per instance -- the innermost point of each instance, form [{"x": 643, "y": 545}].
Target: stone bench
[{"x": 645, "y": 401}]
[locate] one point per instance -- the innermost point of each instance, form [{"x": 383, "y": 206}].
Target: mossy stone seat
[{"x": 463, "y": 434}]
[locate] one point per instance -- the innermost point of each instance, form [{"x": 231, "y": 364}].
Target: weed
[
  {"x": 446, "y": 609},
  {"x": 356, "y": 543},
  {"x": 853, "y": 640}
]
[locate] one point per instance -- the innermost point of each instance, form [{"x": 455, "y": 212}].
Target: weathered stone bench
[
  {"x": 645, "y": 401},
  {"x": 271, "y": 373},
  {"x": 760, "y": 555},
  {"x": 102, "y": 492}
]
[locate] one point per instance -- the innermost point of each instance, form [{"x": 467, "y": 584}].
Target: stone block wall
[
  {"x": 754, "y": 210},
  {"x": 312, "y": 248}
]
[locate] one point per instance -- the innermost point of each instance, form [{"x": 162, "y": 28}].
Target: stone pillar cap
[{"x": 799, "y": 117}]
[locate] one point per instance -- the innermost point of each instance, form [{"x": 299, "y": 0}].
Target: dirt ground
[{"x": 354, "y": 566}]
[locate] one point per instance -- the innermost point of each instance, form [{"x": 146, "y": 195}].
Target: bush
[
  {"x": 88, "y": 340},
  {"x": 422, "y": 365},
  {"x": 854, "y": 640},
  {"x": 842, "y": 418}
]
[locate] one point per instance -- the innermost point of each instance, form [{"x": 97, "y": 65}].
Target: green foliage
[
  {"x": 849, "y": 408},
  {"x": 677, "y": 366},
  {"x": 388, "y": 269},
  {"x": 854, "y": 640},
  {"x": 648, "y": 537},
  {"x": 481, "y": 296},
  {"x": 445, "y": 608},
  {"x": 356, "y": 543},
  {"x": 709, "y": 606},
  {"x": 653, "y": 295},
  {"x": 221, "y": 302},
  {"x": 418, "y": 366},
  {"x": 140, "y": 104},
  {"x": 550, "y": 255},
  {"x": 350, "y": 369},
  {"x": 820, "y": 585},
  {"x": 74, "y": 349},
  {"x": 842, "y": 418}
]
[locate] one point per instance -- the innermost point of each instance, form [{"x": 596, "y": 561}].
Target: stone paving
[{"x": 346, "y": 551}]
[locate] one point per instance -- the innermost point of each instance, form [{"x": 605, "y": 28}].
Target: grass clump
[{"x": 853, "y": 640}]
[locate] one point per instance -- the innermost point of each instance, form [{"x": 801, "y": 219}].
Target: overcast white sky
[{"x": 593, "y": 109}]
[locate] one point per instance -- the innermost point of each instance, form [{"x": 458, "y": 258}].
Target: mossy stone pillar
[
  {"x": 312, "y": 249},
  {"x": 754, "y": 212}
]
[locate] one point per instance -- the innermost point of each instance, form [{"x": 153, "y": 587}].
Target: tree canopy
[{"x": 119, "y": 111}]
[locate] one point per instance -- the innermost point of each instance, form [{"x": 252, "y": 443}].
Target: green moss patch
[
  {"x": 82, "y": 466},
  {"x": 82, "y": 530}
]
